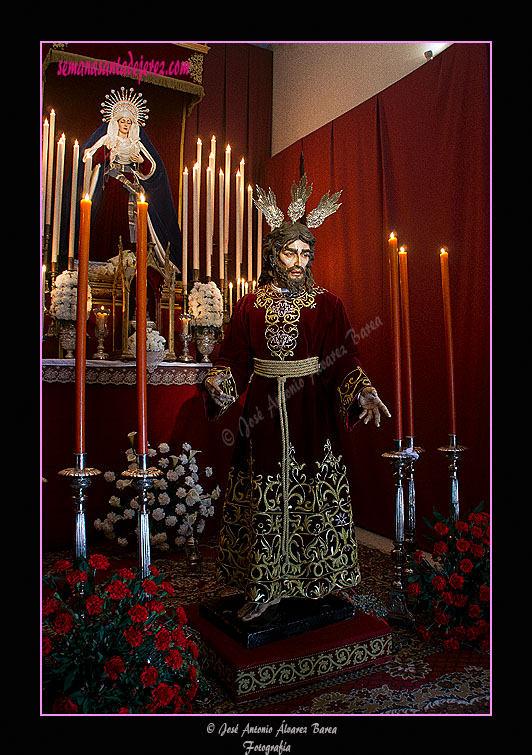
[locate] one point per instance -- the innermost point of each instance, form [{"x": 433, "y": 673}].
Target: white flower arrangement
[
  {"x": 64, "y": 299},
  {"x": 154, "y": 341},
  {"x": 206, "y": 306},
  {"x": 178, "y": 505}
]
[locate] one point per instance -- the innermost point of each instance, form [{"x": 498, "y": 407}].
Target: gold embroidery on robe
[
  {"x": 321, "y": 552},
  {"x": 351, "y": 385},
  {"x": 228, "y": 384},
  {"x": 281, "y": 317}
]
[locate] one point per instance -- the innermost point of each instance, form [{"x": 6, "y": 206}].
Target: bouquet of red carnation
[
  {"x": 453, "y": 588},
  {"x": 111, "y": 646}
]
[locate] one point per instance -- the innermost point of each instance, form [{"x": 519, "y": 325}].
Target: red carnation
[
  {"x": 466, "y": 565},
  {"x": 149, "y": 587},
  {"x": 126, "y": 574},
  {"x": 51, "y": 605},
  {"x": 477, "y": 551},
  {"x": 460, "y": 600},
  {"x": 134, "y": 636},
  {"x": 163, "y": 639},
  {"x": 75, "y": 577},
  {"x": 64, "y": 705},
  {"x": 162, "y": 694},
  {"x": 94, "y": 605},
  {"x": 451, "y": 644},
  {"x": 477, "y": 532},
  {"x": 96, "y": 561},
  {"x": 62, "y": 565},
  {"x": 456, "y": 581},
  {"x": 484, "y": 593},
  {"x": 47, "y": 646},
  {"x": 174, "y": 659},
  {"x": 441, "y": 528},
  {"x": 138, "y": 613},
  {"x": 474, "y": 611},
  {"x": 193, "y": 649},
  {"x": 440, "y": 549},
  {"x": 155, "y": 606},
  {"x": 178, "y": 636},
  {"x": 149, "y": 676},
  {"x": 413, "y": 588},
  {"x": 438, "y": 583},
  {"x": 462, "y": 545},
  {"x": 418, "y": 557},
  {"x": 181, "y": 615},
  {"x": 114, "y": 667},
  {"x": 462, "y": 526},
  {"x": 118, "y": 590},
  {"x": 63, "y": 623},
  {"x": 168, "y": 587}
]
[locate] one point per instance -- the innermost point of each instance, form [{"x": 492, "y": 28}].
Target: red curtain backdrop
[{"x": 414, "y": 159}]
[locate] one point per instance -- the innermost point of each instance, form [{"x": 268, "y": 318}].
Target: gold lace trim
[{"x": 350, "y": 386}]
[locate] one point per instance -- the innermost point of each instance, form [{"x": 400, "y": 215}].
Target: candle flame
[
  {"x": 221, "y": 172},
  {"x": 186, "y": 171},
  {"x": 142, "y": 198},
  {"x": 228, "y": 148},
  {"x": 86, "y": 197},
  {"x": 443, "y": 250},
  {"x": 392, "y": 235},
  {"x": 199, "y": 140},
  {"x": 402, "y": 250}
]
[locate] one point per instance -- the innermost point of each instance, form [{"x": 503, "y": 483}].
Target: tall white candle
[
  {"x": 45, "y": 130},
  {"x": 184, "y": 231},
  {"x": 221, "y": 243},
  {"x": 227, "y": 197},
  {"x": 212, "y": 164},
  {"x": 250, "y": 233},
  {"x": 230, "y": 299},
  {"x": 238, "y": 229},
  {"x": 49, "y": 178},
  {"x": 259, "y": 243},
  {"x": 198, "y": 160},
  {"x": 195, "y": 216},
  {"x": 208, "y": 223},
  {"x": 58, "y": 198},
  {"x": 73, "y": 200}
]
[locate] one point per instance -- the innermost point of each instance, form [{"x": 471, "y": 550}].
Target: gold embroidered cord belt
[{"x": 273, "y": 368}]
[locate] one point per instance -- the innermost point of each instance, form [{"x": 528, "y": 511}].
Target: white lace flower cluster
[
  {"x": 154, "y": 341},
  {"x": 205, "y": 304},
  {"x": 178, "y": 505},
  {"x": 64, "y": 300}
]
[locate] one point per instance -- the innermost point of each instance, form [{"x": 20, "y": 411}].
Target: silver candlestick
[
  {"x": 80, "y": 479},
  {"x": 397, "y": 604},
  {"x": 100, "y": 331},
  {"x": 453, "y": 452},
  {"x": 186, "y": 338},
  {"x": 413, "y": 453},
  {"x": 142, "y": 479}
]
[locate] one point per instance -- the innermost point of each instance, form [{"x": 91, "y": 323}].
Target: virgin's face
[{"x": 124, "y": 124}]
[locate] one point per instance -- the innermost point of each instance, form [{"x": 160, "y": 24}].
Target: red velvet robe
[{"x": 304, "y": 545}]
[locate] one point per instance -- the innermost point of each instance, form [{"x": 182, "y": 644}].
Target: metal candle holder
[
  {"x": 142, "y": 480},
  {"x": 453, "y": 452},
  {"x": 402, "y": 461},
  {"x": 413, "y": 453},
  {"x": 80, "y": 479}
]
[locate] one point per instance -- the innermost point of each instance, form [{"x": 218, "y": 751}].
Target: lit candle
[
  {"x": 195, "y": 216},
  {"x": 250, "y": 232},
  {"x": 45, "y": 131},
  {"x": 227, "y": 197},
  {"x": 230, "y": 298},
  {"x": 444, "y": 265},
  {"x": 49, "y": 177},
  {"x": 396, "y": 335},
  {"x": 198, "y": 161},
  {"x": 184, "y": 232},
  {"x": 405, "y": 313},
  {"x": 221, "y": 243},
  {"x": 212, "y": 166},
  {"x": 237, "y": 289},
  {"x": 141, "y": 316},
  {"x": 208, "y": 223},
  {"x": 73, "y": 203},
  {"x": 238, "y": 227},
  {"x": 259, "y": 243},
  {"x": 58, "y": 198},
  {"x": 81, "y": 319}
]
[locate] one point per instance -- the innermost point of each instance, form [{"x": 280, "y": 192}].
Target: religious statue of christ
[{"x": 287, "y": 528}]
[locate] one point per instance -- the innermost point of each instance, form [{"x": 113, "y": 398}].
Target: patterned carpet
[{"x": 421, "y": 678}]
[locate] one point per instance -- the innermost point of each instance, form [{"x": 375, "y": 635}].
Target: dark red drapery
[{"x": 414, "y": 159}]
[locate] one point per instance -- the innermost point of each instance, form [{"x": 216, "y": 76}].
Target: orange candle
[
  {"x": 141, "y": 316},
  {"x": 81, "y": 319},
  {"x": 405, "y": 315},
  {"x": 396, "y": 334},
  {"x": 444, "y": 265}
]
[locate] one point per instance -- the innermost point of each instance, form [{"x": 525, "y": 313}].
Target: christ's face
[
  {"x": 294, "y": 257},
  {"x": 124, "y": 124}
]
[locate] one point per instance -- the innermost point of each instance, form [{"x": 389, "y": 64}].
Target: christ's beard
[{"x": 294, "y": 284}]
